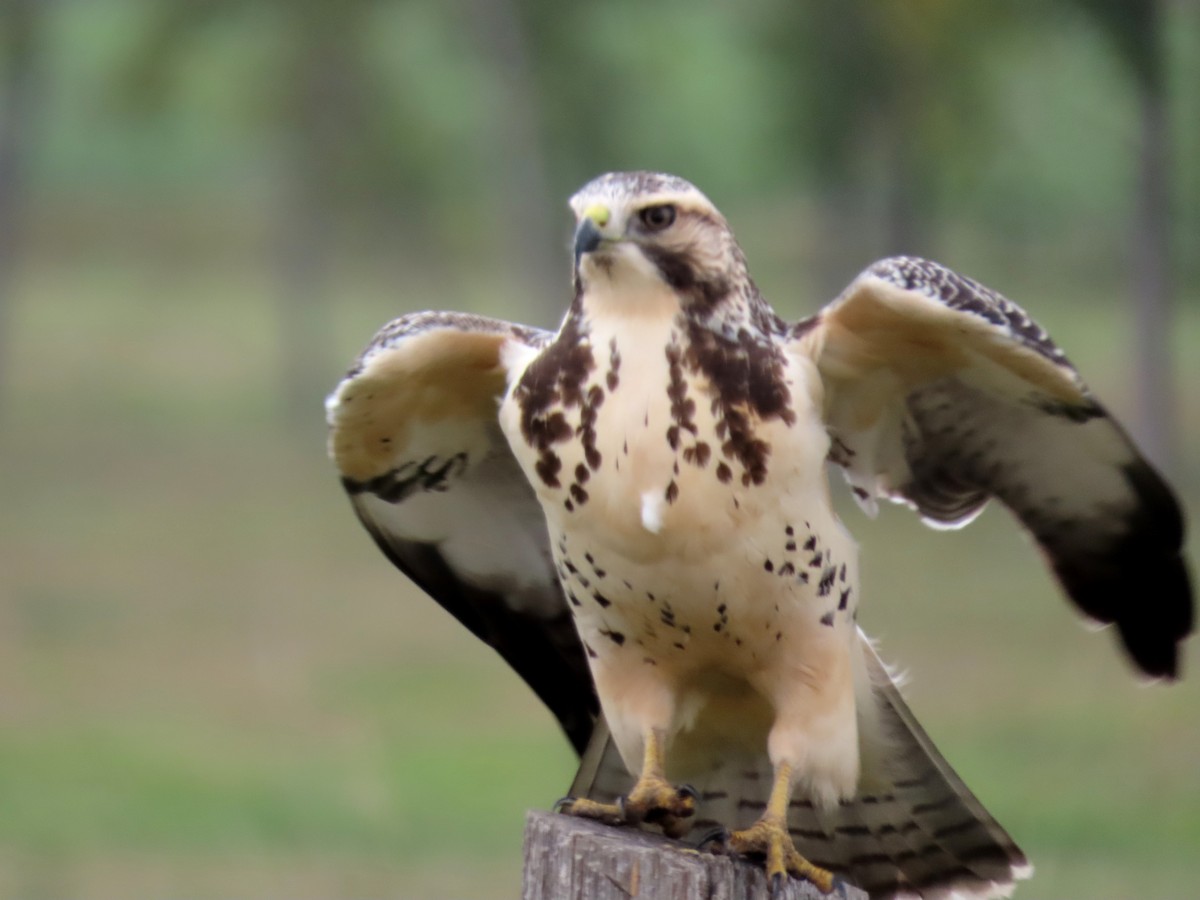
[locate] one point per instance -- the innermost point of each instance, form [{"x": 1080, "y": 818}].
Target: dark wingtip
[
  {"x": 1153, "y": 637},
  {"x": 1140, "y": 582},
  {"x": 1154, "y": 629}
]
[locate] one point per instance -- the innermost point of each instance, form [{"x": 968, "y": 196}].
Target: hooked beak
[{"x": 588, "y": 235}]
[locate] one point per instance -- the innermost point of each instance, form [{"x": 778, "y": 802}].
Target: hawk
[{"x": 635, "y": 512}]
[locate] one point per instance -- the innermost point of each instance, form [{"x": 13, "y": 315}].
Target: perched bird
[{"x": 644, "y": 495}]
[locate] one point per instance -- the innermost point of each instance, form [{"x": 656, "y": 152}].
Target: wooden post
[{"x": 568, "y": 858}]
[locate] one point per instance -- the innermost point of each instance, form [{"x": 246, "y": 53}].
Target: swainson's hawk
[{"x": 655, "y": 471}]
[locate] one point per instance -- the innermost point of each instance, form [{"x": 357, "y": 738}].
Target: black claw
[
  {"x": 715, "y": 841},
  {"x": 562, "y": 804},
  {"x": 686, "y": 790},
  {"x": 778, "y": 886},
  {"x": 840, "y": 887}
]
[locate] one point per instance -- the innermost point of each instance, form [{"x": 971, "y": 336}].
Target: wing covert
[
  {"x": 940, "y": 394},
  {"x": 415, "y": 437}
]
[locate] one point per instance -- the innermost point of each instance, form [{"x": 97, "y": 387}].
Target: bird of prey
[{"x": 642, "y": 497}]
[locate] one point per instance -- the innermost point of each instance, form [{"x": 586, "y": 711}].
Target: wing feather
[
  {"x": 415, "y": 437},
  {"x": 940, "y": 393}
]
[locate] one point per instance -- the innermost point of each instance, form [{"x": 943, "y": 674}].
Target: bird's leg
[
  {"x": 769, "y": 838},
  {"x": 653, "y": 799}
]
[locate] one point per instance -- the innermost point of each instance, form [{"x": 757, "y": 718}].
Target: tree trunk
[
  {"x": 536, "y": 248},
  {"x": 1154, "y": 420},
  {"x": 906, "y": 216},
  {"x": 312, "y": 139},
  {"x": 1136, "y": 33},
  {"x": 19, "y": 20}
]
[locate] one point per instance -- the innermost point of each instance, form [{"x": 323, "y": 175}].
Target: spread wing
[
  {"x": 940, "y": 393},
  {"x": 415, "y": 437}
]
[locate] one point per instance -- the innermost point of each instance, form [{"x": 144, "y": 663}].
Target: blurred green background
[{"x": 213, "y": 685}]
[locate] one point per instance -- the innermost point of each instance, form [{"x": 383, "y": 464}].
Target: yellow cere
[{"x": 598, "y": 213}]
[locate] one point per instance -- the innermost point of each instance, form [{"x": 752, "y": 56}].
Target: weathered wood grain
[{"x": 567, "y": 858}]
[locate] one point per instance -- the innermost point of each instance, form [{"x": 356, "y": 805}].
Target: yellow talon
[
  {"x": 653, "y": 799},
  {"x": 608, "y": 813},
  {"x": 769, "y": 838}
]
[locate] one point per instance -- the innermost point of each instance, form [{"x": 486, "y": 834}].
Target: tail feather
[
  {"x": 914, "y": 830},
  {"x": 602, "y": 775},
  {"x": 958, "y": 847}
]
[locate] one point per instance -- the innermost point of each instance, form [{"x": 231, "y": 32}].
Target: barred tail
[{"x": 914, "y": 830}]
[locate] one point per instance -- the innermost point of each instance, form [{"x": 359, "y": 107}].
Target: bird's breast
[
  {"x": 684, "y": 488},
  {"x": 657, "y": 439}
]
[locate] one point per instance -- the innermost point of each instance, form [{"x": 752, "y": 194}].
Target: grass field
[{"x": 213, "y": 685}]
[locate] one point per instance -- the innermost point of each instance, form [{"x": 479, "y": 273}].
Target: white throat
[{"x": 628, "y": 291}]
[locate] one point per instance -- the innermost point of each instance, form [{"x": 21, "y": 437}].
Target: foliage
[{"x": 805, "y": 90}]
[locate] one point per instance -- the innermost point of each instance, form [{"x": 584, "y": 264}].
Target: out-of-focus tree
[
  {"x": 890, "y": 109},
  {"x": 670, "y": 85},
  {"x": 20, "y": 31},
  {"x": 1135, "y": 30},
  {"x": 353, "y": 139},
  {"x": 460, "y": 127},
  {"x": 515, "y": 133},
  {"x": 320, "y": 91}
]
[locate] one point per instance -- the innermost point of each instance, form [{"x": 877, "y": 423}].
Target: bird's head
[{"x": 632, "y": 228}]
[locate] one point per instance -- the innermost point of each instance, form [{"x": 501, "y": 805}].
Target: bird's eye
[{"x": 656, "y": 218}]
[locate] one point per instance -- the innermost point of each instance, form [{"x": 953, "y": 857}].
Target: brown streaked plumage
[{"x": 656, "y": 475}]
